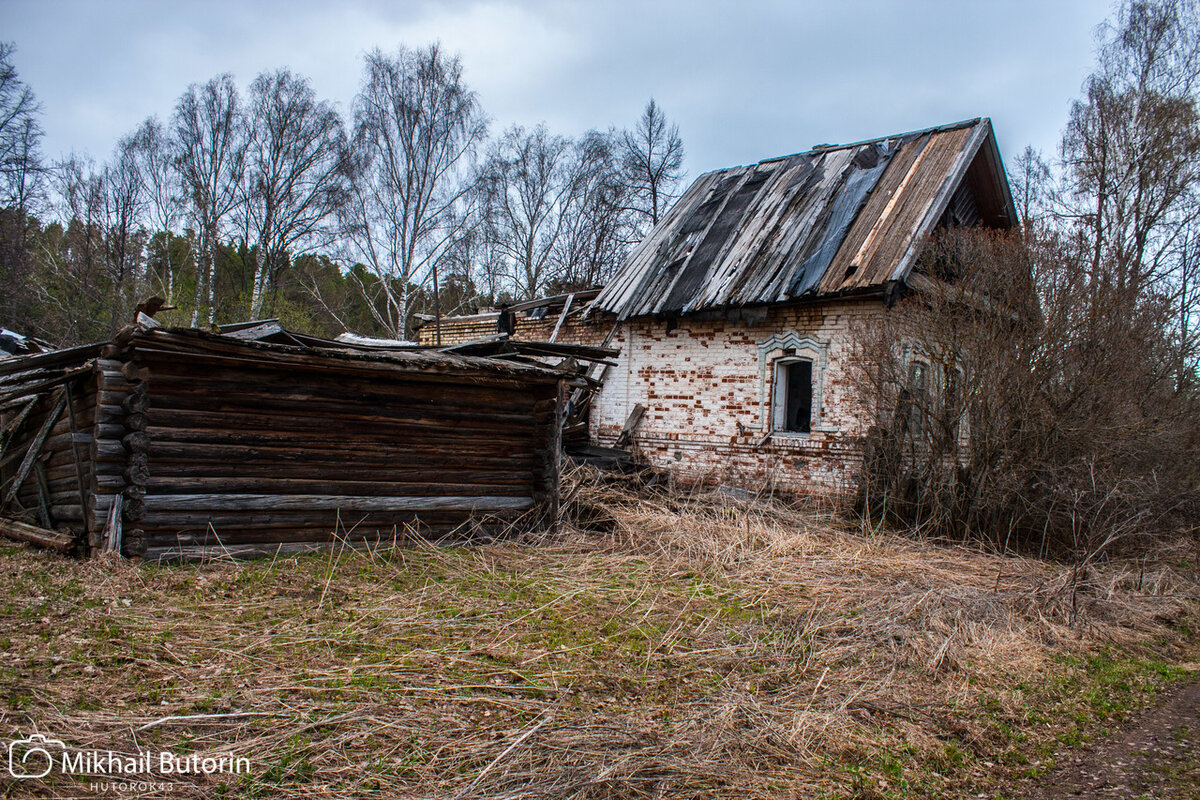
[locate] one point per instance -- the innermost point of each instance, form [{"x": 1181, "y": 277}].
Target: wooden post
[
  {"x": 562, "y": 317},
  {"x": 43, "y": 487},
  {"x": 87, "y": 527},
  {"x": 112, "y": 536},
  {"x": 555, "y": 477},
  {"x": 437, "y": 309}
]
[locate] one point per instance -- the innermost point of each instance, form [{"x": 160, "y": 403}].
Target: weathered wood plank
[
  {"x": 424, "y": 482},
  {"x": 35, "y": 448},
  {"x": 271, "y": 502}
]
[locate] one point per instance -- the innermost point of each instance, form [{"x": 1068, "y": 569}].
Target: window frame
[
  {"x": 944, "y": 390},
  {"x": 780, "y": 395},
  {"x": 789, "y": 344},
  {"x": 919, "y": 397}
]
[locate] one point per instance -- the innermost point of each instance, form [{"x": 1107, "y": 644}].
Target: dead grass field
[{"x": 659, "y": 646}]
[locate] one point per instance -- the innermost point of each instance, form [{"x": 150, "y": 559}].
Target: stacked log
[
  {"x": 110, "y": 453},
  {"x": 176, "y": 443},
  {"x": 255, "y": 449}
]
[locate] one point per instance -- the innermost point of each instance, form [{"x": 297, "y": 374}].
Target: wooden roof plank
[{"x": 742, "y": 236}]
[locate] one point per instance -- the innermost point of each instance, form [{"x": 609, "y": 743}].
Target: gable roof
[{"x": 833, "y": 220}]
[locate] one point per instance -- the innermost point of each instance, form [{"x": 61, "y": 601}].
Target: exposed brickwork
[
  {"x": 702, "y": 379},
  {"x": 456, "y": 330},
  {"x": 707, "y": 387}
]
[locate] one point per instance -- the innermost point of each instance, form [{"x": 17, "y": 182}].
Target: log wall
[
  {"x": 169, "y": 444},
  {"x": 248, "y": 455}
]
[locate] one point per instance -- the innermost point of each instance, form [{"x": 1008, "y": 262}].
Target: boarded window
[{"x": 793, "y": 397}]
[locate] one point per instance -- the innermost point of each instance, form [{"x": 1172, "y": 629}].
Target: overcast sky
[{"x": 744, "y": 80}]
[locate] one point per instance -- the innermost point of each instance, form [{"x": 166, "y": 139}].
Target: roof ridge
[{"x": 949, "y": 126}]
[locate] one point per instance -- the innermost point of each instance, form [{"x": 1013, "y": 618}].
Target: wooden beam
[
  {"x": 554, "y": 478},
  {"x": 43, "y": 489},
  {"x": 562, "y": 317},
  {"x": 32, "y": 534},
  {"x": 112, "y": 534},
  {"x": 15, "y": 424},
  {"x": 87, "y": 529},
  {"x": 35, "y": 448},
  {"x": 32, "y": 389},
  {"x": 631, "y": 423},
  {"x": 318, "y": 502}
]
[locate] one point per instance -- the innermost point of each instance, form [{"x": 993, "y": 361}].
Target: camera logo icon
[{"x": 33, "y": 757}]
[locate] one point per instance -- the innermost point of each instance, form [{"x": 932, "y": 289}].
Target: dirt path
[{"x": 1157, "y": 756}]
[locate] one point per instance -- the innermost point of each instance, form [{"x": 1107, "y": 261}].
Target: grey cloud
[{"x": 744, "y": 81}]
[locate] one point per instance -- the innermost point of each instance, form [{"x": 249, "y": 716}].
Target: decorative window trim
[
  {"x": 774, "y": 349},
  {"x": 937, "y": 383}
]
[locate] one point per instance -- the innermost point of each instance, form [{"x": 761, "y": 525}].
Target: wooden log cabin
[{"x": 177, "y": 443}]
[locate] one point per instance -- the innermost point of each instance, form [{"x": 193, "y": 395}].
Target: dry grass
[{"x": 659, "y": 646}]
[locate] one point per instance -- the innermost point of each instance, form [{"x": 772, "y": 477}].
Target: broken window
[
  {"x": 793, "y": 396},
  {"x": 918, "y": 381},
  {"x": 952, "y": 401}
]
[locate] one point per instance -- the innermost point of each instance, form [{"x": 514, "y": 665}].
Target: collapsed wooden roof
[
  {"x": 450, "y": 365},
  {"x": 24, "y": 376},
  {"x": 834, "y": 220}
]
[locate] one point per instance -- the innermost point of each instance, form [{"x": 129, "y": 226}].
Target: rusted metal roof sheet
[{"x": 832, "y": 220}]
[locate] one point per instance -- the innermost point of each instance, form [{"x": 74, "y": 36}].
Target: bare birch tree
[
  {"x": 416, "y": 128},
  {"x": 162, "y": 189},
  {"x": 1132, "y": 144},
  {"x": 652, "y": 161},
  {"x": 210, "y": 140},
  {"x": 21, "y": 180},
  {"x": 296, "y": 174},
  {"x": 73, "y": 281},
  {"x": 530, "y": 191},
  {"x": 599, "y": 227},
  {"x": 123, "y": 206},
  {"x": 1031, "y": 182}
]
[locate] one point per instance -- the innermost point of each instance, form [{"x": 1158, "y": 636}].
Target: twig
[
  {"x": 463, "y": 791},
  {"x": 188, "y": 717}
]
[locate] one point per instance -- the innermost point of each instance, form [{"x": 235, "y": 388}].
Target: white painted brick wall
[{"x": 703, "y": 378}]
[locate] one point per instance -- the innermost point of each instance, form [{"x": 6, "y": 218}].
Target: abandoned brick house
[{"x": 734, "y": 316}]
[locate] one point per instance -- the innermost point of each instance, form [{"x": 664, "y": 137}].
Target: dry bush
[
  {"x": 1046, "y": 414},
  {"x": 1074, "y": 422}
]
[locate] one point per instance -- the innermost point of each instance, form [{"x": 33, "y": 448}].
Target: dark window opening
[
  {"x": 952, "y": 402},
  {"x": 917, "y": 397},
  {"x": 794, "y": 383}
]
